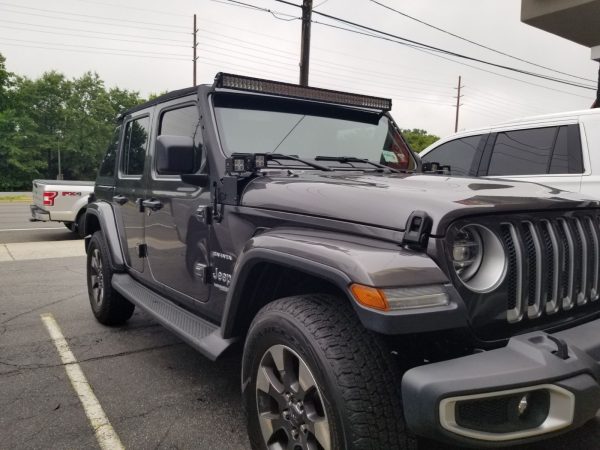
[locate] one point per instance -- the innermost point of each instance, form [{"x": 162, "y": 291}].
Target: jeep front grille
[{"x": 553, "y": 265}]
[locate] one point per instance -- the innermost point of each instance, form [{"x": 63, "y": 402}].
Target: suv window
[
  {"x": 560, "y": 157},
  {"x": 107, "y": 168},
  {"x": 457, "y": 154},
  {"x": 134, "y": 146},
  {"x": 295, "y": 129},
  {"x": 523, "y": 152},
  {"x": 184, "y": 122}
]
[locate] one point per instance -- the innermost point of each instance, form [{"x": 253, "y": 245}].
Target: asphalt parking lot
[{"x": 155, "y": 390}]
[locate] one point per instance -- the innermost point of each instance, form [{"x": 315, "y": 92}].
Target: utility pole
[
  {"x": 195, "y": 33},
  {"x": 305, "y": 41},
  {"x": 458, "y": 103},
  {"x": 59, "y": 135}
]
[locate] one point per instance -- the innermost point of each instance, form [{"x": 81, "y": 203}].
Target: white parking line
[
  {"x": 105, "y": 434},
  {"x": 34, "y": 229}
]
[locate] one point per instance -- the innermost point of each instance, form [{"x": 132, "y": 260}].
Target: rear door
[
  {"x": 176, "y": 234},
  {"x": 130, "y": 187},
  {"x": 545, "y": 155}
]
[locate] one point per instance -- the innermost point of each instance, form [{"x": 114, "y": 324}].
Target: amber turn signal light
[{"x": 369, "y": 297}]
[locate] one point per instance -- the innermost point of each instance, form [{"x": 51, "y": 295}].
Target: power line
[
  {"x": 263, "y": 50},
  {"x": 477, "y": 43},
  {"x": 97, "y": 23},
  {"x": 403, "y": 41},
  {"x": 275, "y": 14},
  {"x": 94, "y": 32},
  {"x": 291, "y": 73},
  {"x": 93, "y": 47},
  {"x": 320, "y": 4},
  {"x": 210, "y": 36},
  {"x": 423, "y": 47},
  {"x": 120, "y": 6},
  {"x": 92, "y": 37},
  {"x": 481, "y": 69},
  {"x": 54, "y": 11},
  {"x": 449, "y": 59},
  {"x": 129, "y": 55},
  {"x": 219, "y": 50}
]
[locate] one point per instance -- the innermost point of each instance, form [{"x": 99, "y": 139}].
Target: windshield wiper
[
  {"x": 353, "y": 159},
  {"x": 295, "y": 158}
]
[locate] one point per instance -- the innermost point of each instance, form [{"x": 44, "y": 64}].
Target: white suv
[{"x": 559, "y": 150}]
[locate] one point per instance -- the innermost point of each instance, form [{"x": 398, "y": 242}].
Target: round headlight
[{"x": 478, "y": 258}]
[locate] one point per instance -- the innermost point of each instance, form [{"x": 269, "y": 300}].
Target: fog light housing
[{"x": 508, "y": 415}]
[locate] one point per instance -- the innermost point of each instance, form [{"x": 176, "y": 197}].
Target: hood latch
[{"x": 416, "y": 233}]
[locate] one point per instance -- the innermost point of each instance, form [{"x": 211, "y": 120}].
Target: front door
[
  {"x": 176, "y": 232},
  {"x": 130, "y": 189}
]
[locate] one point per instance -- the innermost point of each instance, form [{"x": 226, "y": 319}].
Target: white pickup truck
[
  {"x": 61, "y": 201},
  {"x": 559, "y": 150}
]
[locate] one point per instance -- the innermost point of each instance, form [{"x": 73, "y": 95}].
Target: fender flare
[
  {"x": 104, "y": 214},
  {"x": 341, "y": 260},
  {"x": 263, "y": 255}
]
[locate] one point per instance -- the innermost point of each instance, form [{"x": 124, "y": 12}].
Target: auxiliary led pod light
[{"x": 239, "y": 163}]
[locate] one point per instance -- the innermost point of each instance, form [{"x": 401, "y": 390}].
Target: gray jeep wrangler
[{"x": 376, "y": 304}]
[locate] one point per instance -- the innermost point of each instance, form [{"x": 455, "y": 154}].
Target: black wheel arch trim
[
  {"x": 104, "y": 214},
  {"x": 261, "y": 255},
  {"x": 341, "y": 262}
]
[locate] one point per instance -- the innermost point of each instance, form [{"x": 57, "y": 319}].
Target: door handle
[
  {"x": 152, "y": 204},
  {"x": 120, "y": 199}
]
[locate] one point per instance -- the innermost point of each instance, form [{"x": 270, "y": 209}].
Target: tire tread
[{"x": 367, "y": 377}]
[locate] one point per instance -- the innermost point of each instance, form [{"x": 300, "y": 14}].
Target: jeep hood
[{"x": 387, "y": 200}]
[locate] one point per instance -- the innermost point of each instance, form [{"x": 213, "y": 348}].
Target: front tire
[
  {"x": 314, "y": 378},
  {"x": 109, "y": 307}
]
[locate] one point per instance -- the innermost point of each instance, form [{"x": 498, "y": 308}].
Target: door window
[
  {"x": 457, "y": 154},
  {"x": 523, "y": 152},
  {"x": 560, "y": 157},
  {"x": 184, "y": 122},
  {"x": 134, "y": 146},
  {"x": 107, "y": 168}
]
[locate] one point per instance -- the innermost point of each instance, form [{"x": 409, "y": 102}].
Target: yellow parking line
[{"x": 105, "y": 434}]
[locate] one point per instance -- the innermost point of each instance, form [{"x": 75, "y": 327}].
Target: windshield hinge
[{"x": 416, "y": 233}]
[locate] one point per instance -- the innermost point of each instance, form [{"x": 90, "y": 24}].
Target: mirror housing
[
  {"x": 174, "y": 155},
  {"x": 196, "y": 179}
]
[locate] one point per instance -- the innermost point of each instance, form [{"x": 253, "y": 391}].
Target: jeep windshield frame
[{"x": 251, "y": 123}]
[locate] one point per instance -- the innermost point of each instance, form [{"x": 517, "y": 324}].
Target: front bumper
[
  {"x": 38, "y": 214},
  {"x": 563, "y": 367}
]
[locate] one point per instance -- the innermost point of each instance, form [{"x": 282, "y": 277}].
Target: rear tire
[
  {"x": 356, "y": 399},
  {"x": 109, "y": 307},
  {"x": 81, "y": 225}
]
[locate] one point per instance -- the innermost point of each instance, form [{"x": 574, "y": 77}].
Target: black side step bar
[{"x": 197, "y": 332}]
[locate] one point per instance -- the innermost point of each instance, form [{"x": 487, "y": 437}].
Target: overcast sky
[{"x": 146, "y": 46}]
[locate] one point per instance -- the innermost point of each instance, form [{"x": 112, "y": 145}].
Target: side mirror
[
  {"x": 174, "y": 155},
  {"x": 196, "y": 179}
]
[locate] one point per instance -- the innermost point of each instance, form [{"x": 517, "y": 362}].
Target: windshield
[{"x": 310, "y": 135}]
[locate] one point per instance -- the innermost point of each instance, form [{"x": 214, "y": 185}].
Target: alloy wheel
[
  {"x": 291, "y": 410},
  {"x": 96, "y": 277}
]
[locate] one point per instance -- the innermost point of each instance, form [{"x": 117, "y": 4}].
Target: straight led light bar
[{"x": 249, "y": 84}]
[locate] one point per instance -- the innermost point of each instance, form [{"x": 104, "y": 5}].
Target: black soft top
[{"x": 161, "y": 99}]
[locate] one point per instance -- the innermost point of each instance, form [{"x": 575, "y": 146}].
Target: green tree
[
  {"x": 419, "y": 139},
  {"x": 39, "y": 117}
]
